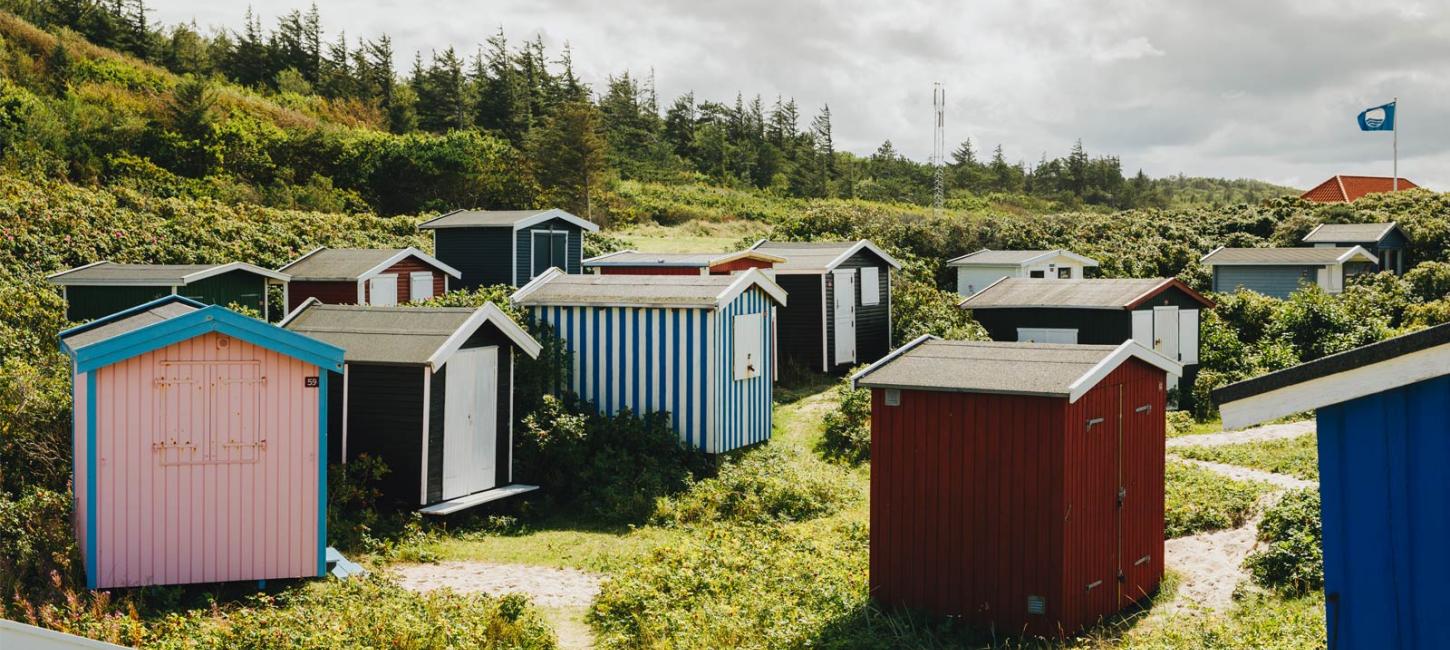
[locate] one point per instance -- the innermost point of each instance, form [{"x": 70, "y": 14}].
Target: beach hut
[
  {"x": 701, "y": 347},
  {"x": 1385, "y": 241},
  {"x": 976, "y": 271},
  {"x": 1017, "y": 485},
  {"x": 637, "y": 263},
  {"x": 104, "y": 288},
  {"x": 1383, "y": 419},
  {"x": 508, "y": 246},
  {"x": 366, "y": 276},
  {"x": 1159, "y": 313},
  {"x": 429, "y": 390},
  {"x": 840, "y": 308},
  {"x": 1278, "y": 272},
  {"x": 199, "y": 437}
]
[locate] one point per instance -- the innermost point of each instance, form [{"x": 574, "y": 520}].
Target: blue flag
[{"x": 1379, "y": 118}]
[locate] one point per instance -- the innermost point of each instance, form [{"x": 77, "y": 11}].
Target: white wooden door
[
  {"x": 1165, "y": 331},
  {"x": 383, "y": 290},
  {"x": 470, "y": 421},
  {"x": 845, "y": 318},
  {"x": 420, "y": 286}
]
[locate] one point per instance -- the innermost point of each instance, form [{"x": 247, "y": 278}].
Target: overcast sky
[{"x": 1227, "y": 88}]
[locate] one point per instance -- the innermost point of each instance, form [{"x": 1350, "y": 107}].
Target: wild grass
[
  {"x": 1297, "y": 457},
  {"x": 1198, "y": 500}
]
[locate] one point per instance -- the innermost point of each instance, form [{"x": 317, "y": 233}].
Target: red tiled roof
[{"x": 1342, "y": 189}]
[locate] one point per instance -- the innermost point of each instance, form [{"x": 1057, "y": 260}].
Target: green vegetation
[
  {"x": 761, "y": 486},
  {"x": 1181, "y": 423},
  {"x": 847, "y": 433},
  {"x": 1292, "y": 558},
  {"x": 1198, "y": 500},
  {"x": 1294, "y": 456},
  {"x": 1258, "y": 622}
]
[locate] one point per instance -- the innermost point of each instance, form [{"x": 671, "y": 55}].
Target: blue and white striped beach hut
[{"x": 701, "y": 347}]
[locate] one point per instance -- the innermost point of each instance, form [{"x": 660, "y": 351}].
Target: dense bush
[
  {"x": 736, "y": 587},
  {"x": 1294, "y": 456},
  {"x": 763, "y": 486},
  {"x": 1198, "y": 500},
  {"x": 1291, "y": 556},
  {"x": 38, "y": 556},
  {"x": 846, "y": 435},
  {"x": 610, "y": 466},
  {"x": 360, "y": 612}
]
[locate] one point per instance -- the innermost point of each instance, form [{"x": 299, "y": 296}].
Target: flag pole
[{"x": 1395, "y": 129}]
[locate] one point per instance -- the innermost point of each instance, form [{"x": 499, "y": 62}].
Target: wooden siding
[
  {"x": 1274, "y": 281},
  {"x": 482, "y": 255},
  {"x": 242, "y": 287},
  {"x": 90, "y": 302},
  {"x": 800, "y": 321},
  {"x": 979, "y": 501},
  {"x": 234, "y": 497},
  {"x": 523, "y": 243},
  {"x": 873, "y": 328},
  {"x": 485, "y": 336},
  {"x": 405, "y": 285},
  {"x": 639, "y": 358},
  {"x": 743, "y": 408},
  {"x": 385, "y": 420},
  {"x": 331, "y": 293},
  {"x": 743, "y": 264},
  {"x": 1383, "y": 489}
]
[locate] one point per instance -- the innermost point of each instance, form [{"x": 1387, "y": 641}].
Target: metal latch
[
  {"x": 1122, "y": 494},
  {"x": 1146, "y": 408},
  {"x": 1093, "y": 422}
]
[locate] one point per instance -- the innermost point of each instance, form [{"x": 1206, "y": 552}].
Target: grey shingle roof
[
  {"x": 1270, "y": 256},
  {"x": 989, "y": 367},
  {"x": 338, "y": 263},
  {"x": 499, "y": 218},
  {"x": 811, "y": 257},
  {"x": 390, "y": 335},
  {"x": 104, "y": 329},
  {"x": 1095, "y": 293},
  {"x": 659, "y": 290},
  {"x": 691, "y": 260},
  {"x": 1352, "y": 233},
  {"x": 1016, "y": 257},
  {"x": 112, "y": 273}
]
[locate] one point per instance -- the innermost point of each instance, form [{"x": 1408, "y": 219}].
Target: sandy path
[
  {"x": 1256, "y": 434},
  {"x": 545, "y": 586},
  {"x": 1241, "y": 473}
]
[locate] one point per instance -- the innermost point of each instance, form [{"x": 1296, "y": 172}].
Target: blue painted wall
[
  {"x": 1386, "y": 514},
  {"x": 1274, "y": 281},
  {"x": 657, "y": 359}
]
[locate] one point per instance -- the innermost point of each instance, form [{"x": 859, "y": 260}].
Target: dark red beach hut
[{"x": 1017, "y": 485}]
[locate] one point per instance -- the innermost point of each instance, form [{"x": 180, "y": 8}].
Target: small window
[
  {"x": 748, "y": 351},
  {"x": 1036, "y": 274},
  {"x": 1064, "y": 273},
  {"x": 383, "y": 290},
  {"x": 870, "y": 285},
  {"x": 893, "y": 397}
]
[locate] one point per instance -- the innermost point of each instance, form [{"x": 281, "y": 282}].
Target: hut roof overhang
[
  {"x": 515, "y": 219},
  {"x": 1011, "y": 368},
  {"x": 1378, "y": 367},
  {"x": 1095, "y": 293},
  {"x": 108, "y": 273},
  {"x": 1350, "y": 233},
  {"x": 324, "y": 264},
  {"x": 1287, "y": 256},
  {"x": 631, "y": 258},
  {"x": 815, "y": 258},
  {"x": 988, "y": 257},
  {"x": 554, "y": 287},
  {"x": 172, "y": 319},
  {"x": 399, "y": 335}
]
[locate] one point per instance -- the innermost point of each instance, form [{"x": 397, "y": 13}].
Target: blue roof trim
[
  {"x": 202, "y": 321},
  {"x": 125, "y": 313}
]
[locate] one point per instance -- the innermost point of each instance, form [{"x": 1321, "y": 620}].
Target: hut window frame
[
  {"x": 747, "y": 351},
  {"x": 870, "y": 285}
]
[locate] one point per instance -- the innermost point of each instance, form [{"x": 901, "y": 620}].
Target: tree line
[{"x": 577, "y": 136}]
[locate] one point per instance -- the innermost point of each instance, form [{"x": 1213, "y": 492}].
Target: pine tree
[{"x": 568, "y": 156}]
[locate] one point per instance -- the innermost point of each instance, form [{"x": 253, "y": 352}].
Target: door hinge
[
  {"x": 1122, "y": 577},
  {"x": 1122, "y": 494}
]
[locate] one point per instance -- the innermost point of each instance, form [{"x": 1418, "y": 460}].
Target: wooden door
[
  {"x": 1140, "y": 458},
  {"x": 383, "y": 290},
  {"x": 844, "y": 309},
  {"x": 470, "y": 421}
]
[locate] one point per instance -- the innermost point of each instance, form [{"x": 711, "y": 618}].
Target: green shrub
[
  {"x": 1429, "y": 281},
  {"x": 847, "y": 432},
  {"x": 736, "y": 587},
  {"x": 1180, "y": 423},
  {"x": 762, "y": 486},
  {"x": 1317, "y": 324},
  {"x": 1198, "y": 500},
  {"x": 360, "y": 612},
  {"x": 1291, "y": 559},
  {"x": 1294, "y": 456},
  {"x": 610, "y": 466},
  {"x": 38, "y": 557}
]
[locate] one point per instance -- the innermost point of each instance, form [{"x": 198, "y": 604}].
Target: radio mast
[{"x": 938, "y": 148}]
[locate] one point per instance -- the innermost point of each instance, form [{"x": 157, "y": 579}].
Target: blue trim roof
[{"x": 207, "y": 319}]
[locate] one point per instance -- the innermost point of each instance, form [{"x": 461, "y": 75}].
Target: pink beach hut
[{"x": 198, "y": 446}]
